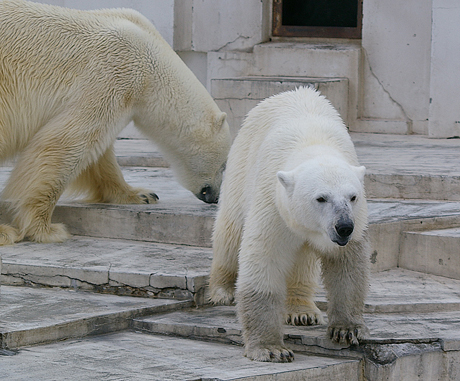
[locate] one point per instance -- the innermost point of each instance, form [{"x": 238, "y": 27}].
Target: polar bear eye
[
  {"x": 353, "y": 198},
  {"x": 321, "y": 199}
]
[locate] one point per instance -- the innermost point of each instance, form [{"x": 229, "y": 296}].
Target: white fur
[
  {"x": 70, "y": 81},
  {"x": 292, "y": 180}
]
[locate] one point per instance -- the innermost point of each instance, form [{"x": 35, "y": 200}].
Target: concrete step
[
  {"x": 432, "y": 251},
  {"x": 137, "y": 356},
  {"x": 325, "y": 60},
  {"x": 32, "y": 316},
  {"x": 138, "y": 153},
  {"x": 396, "y": 298},
  {"x": 128, "y": 263},
  {"x": 237, "y": 96},
  {"x": 180, "y": 218},
  {"x": 165, "y": 344},
  {"x": 103, "y": 265},
  {"x": 389, "y": 218},
  {"x": 409, "y": 166},
  {"x": 405, "y": 343}
]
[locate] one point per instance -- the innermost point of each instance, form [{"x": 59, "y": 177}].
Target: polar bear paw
[
  {"x": 222, "y": 296},
  {"x": 347, "y": 334},
  {"x": 148, "y": 198},
  {"x": 133, "y": 196},
  {"x": 304, "y": 314},
  {"x": 51, "y": 233},
  {"x": 270, "y": 353},
  {"x": 305, "y": 318},
  {"x": 9, "y": 235}
]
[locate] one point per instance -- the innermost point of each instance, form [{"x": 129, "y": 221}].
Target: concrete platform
[
  {"x": 137, "y": 356},
  {"x": 409, "y": 166},
  {"x": 402, "y": 306},
  {"x": 238, "y": 95},
  {"x": 35, "y": 315},
  {"x": 111, "y": 266},
  {"x": 438, "y": 252},
  {"x": 163, "y": 251}
]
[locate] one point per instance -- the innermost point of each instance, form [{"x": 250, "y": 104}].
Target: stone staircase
[{"x": 124, "y": 299}]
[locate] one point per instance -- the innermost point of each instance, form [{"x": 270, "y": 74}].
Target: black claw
[
  {"x": 154, "y": 196},
  {"x": 350, "y": 337}
]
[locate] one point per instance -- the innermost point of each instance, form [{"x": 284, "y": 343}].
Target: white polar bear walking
[
  {"x": 292, "y": 195},
  {"x": 70, "y": 81}
]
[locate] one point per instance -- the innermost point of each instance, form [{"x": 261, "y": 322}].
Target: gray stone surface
[
  {"x": 34, "y": 315},
  {"x": 181, "y": 218},
  {"x": 118, "y": 266},
  {"x": 136, "y": 356},
  {"x": 413, "y": 316},
  {"x": 138, "y": 152},
  {"x": 397, "y": 299},
  {"x": 237, "y": 96},
  {"x": 437, "y": 252},
  {"x": 410, "y": 166}
]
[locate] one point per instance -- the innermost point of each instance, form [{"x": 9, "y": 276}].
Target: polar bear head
[
  {"x": 323, "y": 201},
  {"x": 199, "y": 165}
]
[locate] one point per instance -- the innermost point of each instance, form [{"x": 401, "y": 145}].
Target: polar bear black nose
[
  {"x": 208, "y": 195},
  {"x": 344, "y": 229}
]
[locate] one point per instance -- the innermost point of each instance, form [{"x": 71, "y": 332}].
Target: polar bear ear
[
  {"x": 360, "y": 172},
  {"x": 287, "y": 181},
  {"x": 220, "y": 120}
]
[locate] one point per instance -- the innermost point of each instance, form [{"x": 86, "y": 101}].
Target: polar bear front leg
[
  {"x": 103, "y": 181},
  {"x": 266, "y": 258},
  {"x": 301, "y": 286},
  {"x": 346, "y": 278},
  {"x": 226, "y": 242},
  {"x": 261, "y": 315}
]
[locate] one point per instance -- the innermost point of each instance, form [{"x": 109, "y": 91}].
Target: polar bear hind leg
[
  {"x": 37, "y": 181},
  {"x": 103, "y": 181},
  {"x": 302, "y": 283}
]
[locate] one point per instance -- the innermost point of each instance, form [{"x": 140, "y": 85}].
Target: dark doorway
[{"x": 317, "y": 18}]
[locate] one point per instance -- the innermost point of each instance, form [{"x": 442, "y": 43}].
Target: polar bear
[
  {"x": 292, "y": 197},
  {"x": 70, "y": 81}
]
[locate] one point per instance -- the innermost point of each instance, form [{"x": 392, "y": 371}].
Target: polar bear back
[{"x": 54, "y": 57}]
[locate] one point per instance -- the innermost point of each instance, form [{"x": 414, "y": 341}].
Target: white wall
[
  {"x": 213, "y": 25},
  {"x": 159, "y": 12},
  {"x": 445, "y": 70},
  {"x": 396, "y": 76}
]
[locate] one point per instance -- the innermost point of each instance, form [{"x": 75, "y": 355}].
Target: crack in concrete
[
  {"x": 231, "y": 42},
  {"x": 115, "y": 289},
  {"x": 407, "y": 119}
]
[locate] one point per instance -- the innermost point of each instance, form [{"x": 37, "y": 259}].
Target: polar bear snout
[
  {"x": 208, "y": 195},
  {"x": 343, "y": 230}
]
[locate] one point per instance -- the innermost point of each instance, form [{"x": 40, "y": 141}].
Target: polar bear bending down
[
  {"x": 292, "y": 195},
  {"x": 70, "y": 81}
]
